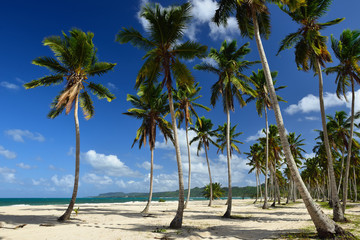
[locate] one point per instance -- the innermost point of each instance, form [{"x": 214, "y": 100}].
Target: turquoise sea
[{"x": 59, "y": 201}]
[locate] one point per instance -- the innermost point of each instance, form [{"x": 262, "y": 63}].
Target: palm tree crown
[{"x": 75, "y": 61}]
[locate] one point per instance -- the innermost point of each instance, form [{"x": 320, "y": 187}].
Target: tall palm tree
[
  {"x": 164, "y": 51},
  {"x": 263, "y": 102},
  {"x": 256, "y": 162},
  {"x": 204, "y": 135},
  {"x": 185, "y": 98},
  {"x": 347, "y": 50},
  {"x": 253, "y": 20},
  {"x": 75, "y": 61},
  {"x": 311, "y": 53},
  {"x": 231, "y": 83},
  {"x": 150, "y": 106}
]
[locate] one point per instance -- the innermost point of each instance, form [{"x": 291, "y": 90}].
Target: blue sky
[{"x": 37, "y": 153}]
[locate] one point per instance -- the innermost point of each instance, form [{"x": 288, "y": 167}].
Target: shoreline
[{"x": 115, "y": 221}]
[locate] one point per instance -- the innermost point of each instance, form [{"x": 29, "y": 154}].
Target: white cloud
[
  {"x": 231, "y": 31},
  {"x": 9, "y": 85},
  {"x": 7, "y": 174},
  {"x": 310, "y": 103},
  {"x": 111, "y": 86},
  {"x": 20, "y": 80},
  {"x": 41, "y": 181},
  {"x": 147, "y": 165},
  {"x": 18, "y": 135},
  {"x": 97, "y": 180},
  {"x": 309, "y": 155},
  {"x": 255, "y": 137},
  {"x": 52, "y": 167},
  {"x": 71, "y": 151},
  {"x": 6, "y": 153},
  {"x": 108, "y": 164},
  {"x": 66, "y": 181},
  {"x": 310, "y": 118},
  {"x": 23, "y": 166}
]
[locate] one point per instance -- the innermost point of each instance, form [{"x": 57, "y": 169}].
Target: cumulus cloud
[
  {"x": 310, "y": 103},
  {"x": 108, "y": 164},
  {"x": 255, "y": 137},
  {"x": 6, "y": 153},
  {"x": 18, "y": 135},
  {"x": 66, "y": 181},
  {"x": 309, "y": 155},
  {"x": 147, "y": 165},
  {"x": 41, "y": 181},
  {"x": 97, "y": 180},
  {"x": 231, "y": 31},
  {"x": 310, "y": 118},
  {"x": 7, "y": 175},
  {"x": 9, "y": 85},
  {"x": 23, "y": 166}
]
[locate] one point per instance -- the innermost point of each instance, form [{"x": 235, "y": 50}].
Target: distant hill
[{"x": 249, "y": 192}]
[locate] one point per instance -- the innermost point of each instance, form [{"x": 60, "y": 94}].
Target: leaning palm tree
[
  {"x": 347, "y": 50},
  {"x": 75, "y": 61},
  {"x": 150, "y": 106},
  {"x": 263, "y": 102},
  {"x": 253, "y": 20},
  {"x": 204, "y": 135},
  {"x": 185, "y": 97},
  {"x": 311, "y": 53},
  {"x": 164, "y": 50},
  {"x": 231, "y": 83}
]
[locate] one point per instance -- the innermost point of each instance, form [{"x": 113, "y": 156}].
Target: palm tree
[
  {"x": 185, "y": 98},
  {"x": 75, "y": 61},
  {"x": 311, "y": 52},
  {"x": 204, "y": 135},
  {"x": 295, "y": 144},
  {"x": 164, "y": 51},
  {"x": 256, "y": 161},
  {"x": 347, "y": 50},
  {"x": 213, "y": 191},
  {"x": 150, "y": 106},
  {"x": 253, "y": 20},
  {"x": 263, "y": 102},
  {"x": 231, "y": 81}
]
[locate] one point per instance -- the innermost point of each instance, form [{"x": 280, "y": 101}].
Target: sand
[{"x": 124, "y": 221}]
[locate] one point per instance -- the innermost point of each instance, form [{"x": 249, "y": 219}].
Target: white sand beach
[{"x": 124, "y": 221}]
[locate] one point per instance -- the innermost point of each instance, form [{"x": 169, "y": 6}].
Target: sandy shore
[{"x": 124, "y": 221}]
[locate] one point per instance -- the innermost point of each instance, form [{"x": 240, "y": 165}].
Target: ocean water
[{"x": 60, "y": 201}]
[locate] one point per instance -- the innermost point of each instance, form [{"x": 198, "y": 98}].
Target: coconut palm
[
  {"x": 256, "y": 162},
  {"x": 347, "y": 50},
  {"x": 213, "y": 191},
  {"x": 185, "y": 98},
  {"x": 263, "y": 102},
  {"x": 150, "y": 106},
  {"x": 231, "y": 83},
  {"x": 311, "y": 53},
  {"x": 75, "y": 61},
  {"x": 164, "y": 50},
  {"x": 204, "y": 135},
  {"x": 253, "y": 20}
]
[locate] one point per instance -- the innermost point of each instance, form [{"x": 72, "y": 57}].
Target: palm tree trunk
[
  {"x": 347, "y": 168},
  {"x": 66, "y": 215},
  {"x": 337, "y": 212},
  {"x": 257, "y": 187},
  {"x": 342, "y": 168},
  {"x": 177, "y": 221},
  {"x": 266, "y": 206},
  {"x": 355, "y": 187},
  {"x": 229, "y": 200},
  {"x": 208, "y": 164},
  {"x": 261, "y": 195},
  {"x": 146, "y": 209},
  {"x": 188, "y": 149},
  {"x": 324, "y": 225}
]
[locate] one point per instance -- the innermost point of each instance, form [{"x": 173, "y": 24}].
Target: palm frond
[
  {"x": 87, "y": 105},
  {"x": 45, "y": 81},
  {"x": 101, "y": 91}
]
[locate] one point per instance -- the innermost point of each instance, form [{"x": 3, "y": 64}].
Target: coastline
[{"x": 115, "y": 221}]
